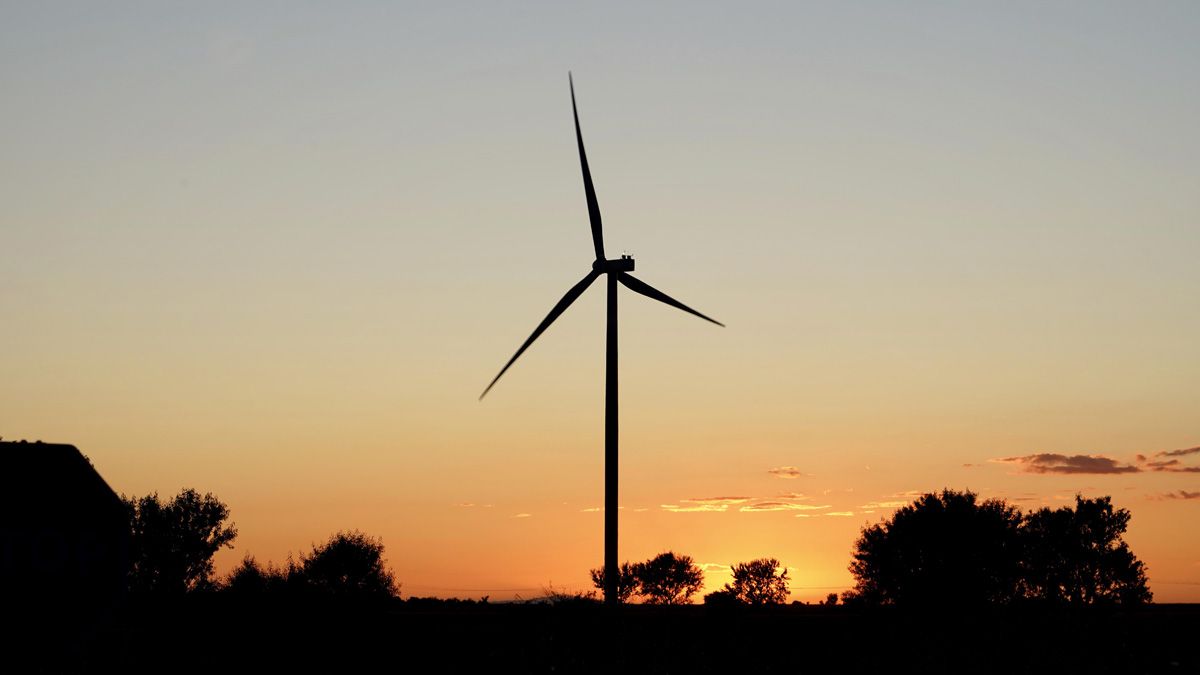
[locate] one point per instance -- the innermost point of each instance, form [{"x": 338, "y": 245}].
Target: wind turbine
[{"x": 618, "y": 271}]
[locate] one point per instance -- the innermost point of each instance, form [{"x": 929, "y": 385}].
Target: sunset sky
[{"x": 274, "y": 251}]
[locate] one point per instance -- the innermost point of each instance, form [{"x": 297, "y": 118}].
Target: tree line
[
  {"x": 173, "y": 543},
  {"x": 947, "y": 548}
]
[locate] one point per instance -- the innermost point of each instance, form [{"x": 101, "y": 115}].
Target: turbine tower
[{"x": 618, "y": 271}]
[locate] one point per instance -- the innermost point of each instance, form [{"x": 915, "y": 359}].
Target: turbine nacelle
[{"x": 622, "y": 264}]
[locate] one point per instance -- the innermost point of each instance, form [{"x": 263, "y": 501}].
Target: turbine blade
[
  {"x": 558, "y": 309},
  {"x": 588, "y": 189},
  {"x": 650, "y": 292}
]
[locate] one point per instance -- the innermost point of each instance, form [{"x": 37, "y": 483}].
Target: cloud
[
  {"x": 792, "y": 495},
  {"x": 465, "y": 505},
  {"x": 1164, "y": 461},
  {"x": 1155, "y": 463},
  {"x": 718, "y": 500},
  {"x": 1162, "y": 464},
  {"x": 786, "y": 472},
  {"x": 697, "y": 508},
  {"x": 838, "y": 513},
  {"x": 594, "y": 509},
  {"x": 892, "y": 504},
  {"x": 781, "y": 506},
  {"x": 707, "y": 567},
  {"x": 1050, "y": 463},
  {"x": 523, "y": 515},
  {"x": 1172, "y": 466},
  {"x": 1182, "y": 494}
]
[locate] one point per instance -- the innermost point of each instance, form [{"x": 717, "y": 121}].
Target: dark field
[{"x": 218, "y": 633}]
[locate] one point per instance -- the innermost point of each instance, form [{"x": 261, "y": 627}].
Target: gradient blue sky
[{"x": 275, "y": 250}]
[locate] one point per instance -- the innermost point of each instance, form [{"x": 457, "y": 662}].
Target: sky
[{"x": 274, "y": 251}]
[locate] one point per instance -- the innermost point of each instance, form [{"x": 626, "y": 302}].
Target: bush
[{"x": 350, "y": 564}]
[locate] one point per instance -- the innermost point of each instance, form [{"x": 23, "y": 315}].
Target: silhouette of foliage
[
  {"x": 943, "y": 549},
  {"x": 668, "y": 579},
  {"x": 1078, "y": 555},
  {"x": 722, "y": 597},
  {"x": 558, "y": 597},
  {"x": 350, "y": 564},
  {"x": 172, "y": 543},
  {"x": 251, "y": 578},
  {"x": 627, "y": 583},
  {"x": 831, "y": 600},
  {"x": 951, "y": 549},
  {"x": 759, "y": 582}
]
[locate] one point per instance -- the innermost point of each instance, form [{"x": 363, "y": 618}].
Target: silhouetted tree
[
  {"x": 831, "y": 600},
  {"x": 172, "y": 544},
  {"x": 668, "y": 579},
  {"x": 759, "y": 582},
  {"x": 627, "y": 583},
  {"x": 1078, "y": 555},
  {"x": 943, "y": 549},
  {"x": 249, "y": 577},
  {"x": 350, "y": 564}
]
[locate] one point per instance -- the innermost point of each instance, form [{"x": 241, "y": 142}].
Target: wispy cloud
[
  {"x": 782, "y": 506},
  {"x": 786, "y": 472},
  {"x": 1182, "y": 494},
  {"x": 890, "y": 504},
  {"x": 523, "y": 515},
  {"x": 1165, "y": 461},
  {"x": 708, "y": 567},
  {"x": 717, "y": 500},
  {"x": 465, "y": 505},
  {"x": 1053, "y": 463},
  {"x": 1164, "y": 465},
  {"x": 792, "y": 495},
  {"x": 694, "y": 508},
  {"x": 1168, "y": 461},
  {"x": 839, "y": 513}
]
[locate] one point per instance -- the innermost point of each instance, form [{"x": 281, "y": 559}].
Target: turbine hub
[{"x": 622, "y": 264}]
